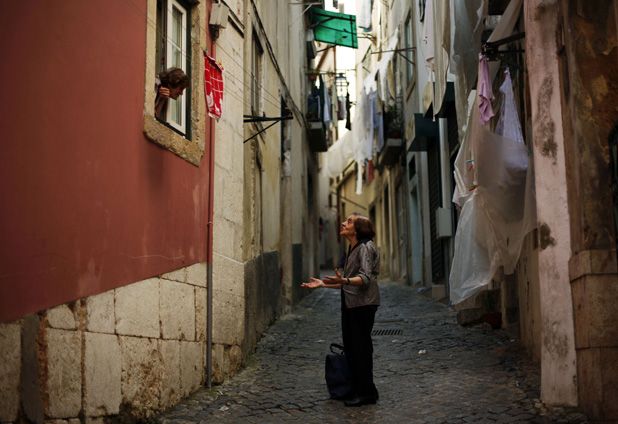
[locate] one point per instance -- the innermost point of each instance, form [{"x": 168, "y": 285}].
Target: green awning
[{"x": 334, "y": 28}]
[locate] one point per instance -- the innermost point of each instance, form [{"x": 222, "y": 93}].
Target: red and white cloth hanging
[{"x": 213, "y": 86}]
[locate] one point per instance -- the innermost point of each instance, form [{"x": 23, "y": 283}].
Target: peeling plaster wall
[
  {"x": 558, "y": 360},
  {"x": 591, "y": 93}
]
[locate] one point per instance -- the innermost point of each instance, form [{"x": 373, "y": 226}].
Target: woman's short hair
[
  {"x": 174, "y": 78},
  {"x": 364, "y": 227}
]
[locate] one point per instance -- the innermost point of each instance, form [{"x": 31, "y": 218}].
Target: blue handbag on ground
[{"x": 338, "y": 378}]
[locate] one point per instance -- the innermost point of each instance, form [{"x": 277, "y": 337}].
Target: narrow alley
[
  {"x": 428, "y": 369},
  {"x": 173, "y": 170}
]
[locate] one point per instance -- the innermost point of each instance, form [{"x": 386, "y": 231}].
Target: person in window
[
  {"x": 169, "y": 84},
  {"x": 360, "y": 298}
]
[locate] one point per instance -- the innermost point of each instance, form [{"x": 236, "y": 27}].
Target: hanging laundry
[
  {"x": 334, "y": 105},
  {"x": 363, "y": 14},
  {"x": 392, "y": 86},
  {"x": 342, "y": 108},
  {"x": 359, "y": 178},
  {"x": 428, "y": 34},
  {"x": 367, "y": 140},
  {"x": 348, "y": 123},
  {"x": 313, "y": 104},
  {"x": 370, "y": 175},
  {"x": 485, "y": 92},
  {"x": 385, "y": 94},
  {"x": 327, "y": 106},
  {"x": 378, "y": 124},
  {"x": 213, "y": 86},
  {"x": 321, "y": 89},
  {"x": 508, "y": 124}
]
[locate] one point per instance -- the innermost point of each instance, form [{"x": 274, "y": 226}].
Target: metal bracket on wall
[
  {"x": 491, "y": 50},
  {"x": 253, "y": 118},
  {"x": 399, "y": 52}
]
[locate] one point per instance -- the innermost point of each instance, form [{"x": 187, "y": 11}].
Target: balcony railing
[
  {"x": 393, "y": 135},
  {"x": 316, "y": 128}
]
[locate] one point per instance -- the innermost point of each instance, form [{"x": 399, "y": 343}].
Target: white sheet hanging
[
  {"x": 442, "y": 48},
  {"x": 359, "y": 178},
  {"x": 383, "y": 69},
  {"x": 508, "y": 123},
  {"x": 428, "y": 34},
  {"x": 327, "y": 106},
  {"x": 497, "y": 214},
  {"x": 363, "y": 14}
]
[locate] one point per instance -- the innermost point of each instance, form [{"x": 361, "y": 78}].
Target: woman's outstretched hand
[
  {"x": 337, "y": 279},
  {"x": 314, "y": 284}
]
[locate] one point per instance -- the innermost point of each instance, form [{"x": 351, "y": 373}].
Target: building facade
[
  {"x": 546, "y": 281},
  {"x": 142, "y": 255}
]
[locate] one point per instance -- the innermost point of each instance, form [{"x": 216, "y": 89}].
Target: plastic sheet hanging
[{"x": 495, "y": 179}]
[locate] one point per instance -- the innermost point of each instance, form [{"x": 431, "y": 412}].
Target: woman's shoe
[{"x": 360, "y": 401}]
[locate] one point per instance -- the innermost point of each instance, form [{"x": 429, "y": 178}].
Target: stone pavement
[{"x": 435, "y": 371}]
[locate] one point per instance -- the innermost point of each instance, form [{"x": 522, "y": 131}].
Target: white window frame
[
  {"x": 409, "y": 43},
  {"x": 257, "y": 58},
  {"x": 170, "y": 46},
  {"x": 191, "y": 145}
]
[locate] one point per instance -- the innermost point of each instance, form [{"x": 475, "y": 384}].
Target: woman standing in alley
[{"x": 360, "y": 298}]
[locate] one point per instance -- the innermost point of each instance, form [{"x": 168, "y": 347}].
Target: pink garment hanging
[
  {"x": 213, "y": 86},
  {"x": 485, "y": 93}
]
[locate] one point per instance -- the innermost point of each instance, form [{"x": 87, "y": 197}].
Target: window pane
[
  {"x": 176, "y": 111},
  {"x": 176, "y": 38},
  {"x": 408, "y": 30}
]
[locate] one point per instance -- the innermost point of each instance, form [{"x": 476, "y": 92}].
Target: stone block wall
[
  {"x": 594, "y": 290},
  {"x": 135, "y": 350}
]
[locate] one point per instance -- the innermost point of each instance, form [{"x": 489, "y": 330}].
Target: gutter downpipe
[
  {"x": 209, "y": 249},
  {"x": 445, "y": 175}
]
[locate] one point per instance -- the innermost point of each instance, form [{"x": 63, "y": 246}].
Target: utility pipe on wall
[
  {"x": 445, "y": 163},
  {"x": 209, "y": 240},
  {"x": 445, "y": 177}
]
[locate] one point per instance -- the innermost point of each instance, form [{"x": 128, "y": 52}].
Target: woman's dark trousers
[{"x": 356, "y": 326}]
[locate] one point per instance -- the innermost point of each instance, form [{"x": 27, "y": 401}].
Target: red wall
[{"x": 88, "y": 204}]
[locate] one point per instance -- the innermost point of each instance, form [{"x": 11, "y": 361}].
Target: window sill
[
  {"x": 157, "y": 132},
  {"x": 172, "y": 141}
]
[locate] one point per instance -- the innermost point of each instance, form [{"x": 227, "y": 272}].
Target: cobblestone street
[{"x": 427, "y": 369}]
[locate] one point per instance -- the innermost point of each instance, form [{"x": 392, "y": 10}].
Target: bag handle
[{"x": 337, "y": 346}]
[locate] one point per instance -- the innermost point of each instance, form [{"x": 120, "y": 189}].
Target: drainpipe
[
  {"x": 391, "y": 208},
  {"x": 209, "y": 249},
  {"x": 445, "y": 176},
  {"x": 445, "y": 163}
]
